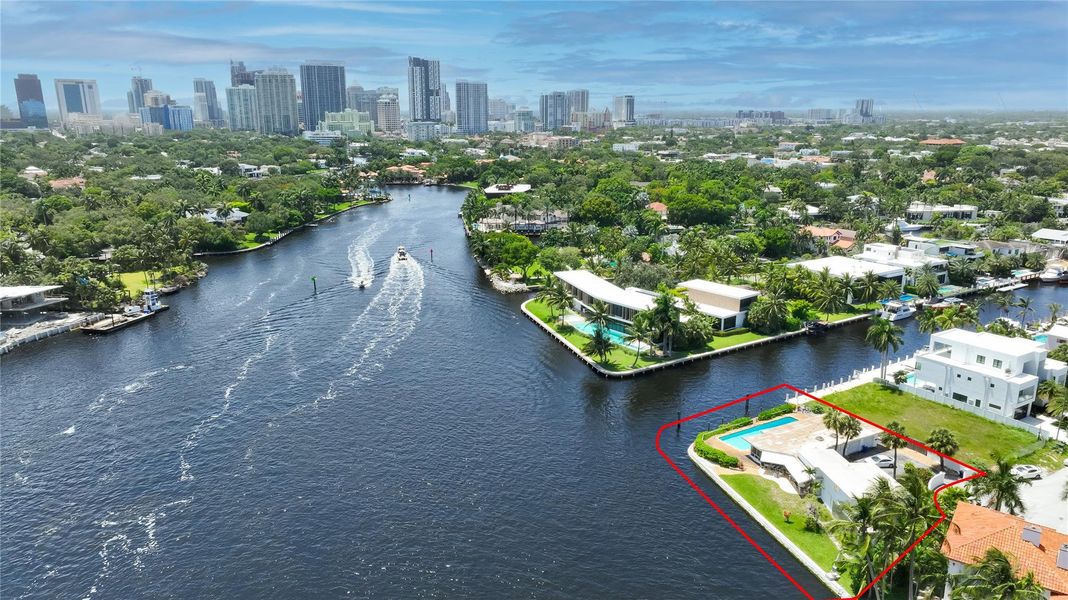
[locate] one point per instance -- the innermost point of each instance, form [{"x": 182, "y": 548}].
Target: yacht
[
  {"x": 1053, "y": 274},
  {"x": 402, "y": 254},
  {"x": 896, "y": 311}
]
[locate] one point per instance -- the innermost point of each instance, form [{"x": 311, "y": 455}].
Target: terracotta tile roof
[
  {"x": 844, "y": 244},
  {"x": 974, "y": 529},
  {"x": 659, "y": 207}
]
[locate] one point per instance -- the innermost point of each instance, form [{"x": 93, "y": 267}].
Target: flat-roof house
[
  {"x": 1056, "y": 335},
  {"x": 984, "y": 373},
  {"x": 500, "y": 190},
  {"x": 1042, "y": 551},
  {"x": 909, "y": 259},
  {"x": 234, "y": 216},
  {"x": 727, "y": 303},
  {"x": 923, "y": 213},
  {"x": 843, "y": 265},
  {"x": 1054, "y": 237},
  {"x": 20, "y": 303},
  {"x": 1010, "y": 248},
  {"x": 942, "y": 247},
  {"x": 586, "y": 289}
]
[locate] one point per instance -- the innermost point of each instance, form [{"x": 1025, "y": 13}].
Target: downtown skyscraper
[
  {"x": 243, "y": 108},
  {"x": 276, "y": 102},
  {"x": 211, "y": 99},
  {"x": 135, "y": 98},
  {"x": 322, "y": 86},
  {"x": 472, "y": 107},
  {"x": 578, "y": 100},
  {"x": 555, "y": 110},
  {"x": 31, "y": 101},
  {"x": 424, "y": 89},
  {"x": 239, "y": 75},
  {"x": 624, "y": 110},
  {"x": 77, "y": 96}
]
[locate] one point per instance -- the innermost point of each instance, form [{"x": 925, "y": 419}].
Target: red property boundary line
[{"x": 752, "y": 542}]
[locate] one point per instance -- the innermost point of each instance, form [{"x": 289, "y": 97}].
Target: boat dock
[{"x": 115, "y": 322}]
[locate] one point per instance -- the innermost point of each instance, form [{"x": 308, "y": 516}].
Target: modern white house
[
  {"x": 843, "y": 265},
  {"x": 936, "y": 247},
  {"x": 985, "y": 372},
  {"x": 1055, "y": 336},
  {"x": 21, "y": 304},
  {"x": 909, "y": 259},
  {"x": 728, "y": 303},
  {"x": 1054, "y": 237},
  {"x": 923, "y": 213}
]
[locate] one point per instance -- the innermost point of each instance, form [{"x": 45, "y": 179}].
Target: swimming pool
[
  {"x": 738, "y": 438},
  {"x": 590, "y": 329}
]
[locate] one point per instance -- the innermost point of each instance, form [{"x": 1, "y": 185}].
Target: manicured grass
[
  {"x": 135, "y": 281},
  {"x": 770, "y": 500},
  {"x": 469, "y": 184},
  {"x": 978, "y": 437},
  {"x": 622, "y": 359}
]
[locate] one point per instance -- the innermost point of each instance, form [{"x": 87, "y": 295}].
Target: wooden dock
[{"x": 114, "y": 323}]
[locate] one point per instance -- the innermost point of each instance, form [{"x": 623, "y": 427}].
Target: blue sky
[{"x": 672, "y": 56}]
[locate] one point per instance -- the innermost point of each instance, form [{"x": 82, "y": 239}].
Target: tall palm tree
[
  {"x": 956, "y": 316},
  {"x": 832, "y": 420},
  {"x": 829, "y": 299},
  {"x": 599, "y": 344},
  {"x": 927, "y": 320},
  {"x": 857, "y": 533},
  {"x": 927, "y": 282},
  {"x": 666, "y": 317},
  {"x": 911, "y": 510},
  {"x": 599, "y": 314},
  {"x": 1057, "y": 405},
  {"x": 994, "y": 578},
  {"x": 884, "y": 335},
  {"x": 848, "y": 286},
  {"x": 546, "y": 293},
  {"x": 1024, "y": 304},
  {"x": 1004, "y": 300},
  {"x": 850, "y": 429},
  {"x": 1054, "y": 312},
  {"x": 641, "y": 330},
  {"x": 868, "y": 287},
  {"x": 893, "y": 442},
  {"x": 942, "y": 440},
  {"x": 1000, "y": 487}
]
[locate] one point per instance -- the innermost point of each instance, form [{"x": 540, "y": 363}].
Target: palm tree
[
  {"x": 848, "y": 286},
  {"x": 868, "y": 287},
  {"x": 666, "y": 317},
  {"x": 850, "y": 429},
  {"x": 1057, "y": 405},
  {"x": 893, "y": 442},
  {"x": 1000, "y": 487},
  {"x": 829, "y": 298},
  {"x": 546, "y": 293},
  {"x": 884, "y": 335},
  {"x": 957, "y": 316},
  {"x": 1025, "y": 307},
  {"x": 927, "y": 282},
  {"x": 641, "y": 330},
  {"x": 599, "y": 344},
  {"x": 1054, "y": 312},
  {"x": 911, "y": 510},
  {"x": 832, "y": 420},
  {"x": 599, "y": 314},
  {"x": 927, "y": 320},
  {"x": 889, "y": 289},
  {"x": 994, "y": 578},
  {"x": 941, "y": 440},
  {"x": 1004, "y": 300}
]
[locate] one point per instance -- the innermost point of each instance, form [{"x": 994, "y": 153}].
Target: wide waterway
[{"x": 417, "y": 439}]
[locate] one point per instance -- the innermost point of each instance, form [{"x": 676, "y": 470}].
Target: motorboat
[
  {"x": 362, "y": 284},
  {"x": 1053, "y": 274},
  {"x": 402, "y": 254},
  {"x": 946, "y": 303},
  {"x": 896, "y": 311}
]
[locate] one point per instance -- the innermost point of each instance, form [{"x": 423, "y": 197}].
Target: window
[
  {"x": 977, "y": 403},
  {"x": 993, "y": 407},
  {"x": 958, "y": 375},
  {"x": 960, "y": 397},
  {"x": 969, "y": 379},
  {"x": 991, "y": 386},
  {"x": 980, "y": 359},
  {"x": 997, "y": 363}
]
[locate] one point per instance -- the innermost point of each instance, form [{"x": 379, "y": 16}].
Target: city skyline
[{"x": 670, "y": 56}]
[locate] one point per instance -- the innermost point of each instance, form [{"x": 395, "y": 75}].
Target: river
[{"x": 418, "y": 438}]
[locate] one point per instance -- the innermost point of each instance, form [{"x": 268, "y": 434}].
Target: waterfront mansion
[
  {"x": 984, "y": 373},
  {"x": 727, "y": 303}
]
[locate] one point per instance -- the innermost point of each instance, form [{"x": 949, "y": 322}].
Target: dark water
[{"x": 416, "y": 439}]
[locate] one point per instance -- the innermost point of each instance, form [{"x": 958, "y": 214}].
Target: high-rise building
[
  {"x": 155, "y": 98},
  {"x": 579, "y": 100},
  {"x": 322, "y": 87},
  {"x": 472, "y": 107},
  {"x": 243, "y": 108},
  {"x": 555, "y": 110},
  {"x": 524, "y": 120},
  {"x": 499, "y": 109},
  {"x": 363, "y": 100},
  {"x": 239, "y": 75},
  {"x": 31, "y": 101},
  {"x": 77, "y": 96},
  {"x": 276, "y": 102},
  {"x": 865, "y": 108},
  {"x": 200, "y": 107},
  {"x": 820, "y": 114},
  {"x": 135, "y": 98},
  {"x": 424, "y": 89},
  {"x": 446, "y": 104},
  {"x": 388, "y": 113},
  {"x": 624, "y": 110},
  {"x": 170, "y": 116},
  {"x": 207, "y": 87}
]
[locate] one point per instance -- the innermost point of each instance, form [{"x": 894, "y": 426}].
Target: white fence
[{"x": 857, "y": 377}]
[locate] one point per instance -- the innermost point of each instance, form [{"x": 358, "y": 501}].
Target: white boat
[
  {"x": 402, "y": 254},
  {"x": 896, "y": 311},
  {"x": 1053, "y": 274}
]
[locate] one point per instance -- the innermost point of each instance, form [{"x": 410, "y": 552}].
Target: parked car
[
  {"x": 882, "y": 461},
  {"x": 1026, "y": 472}
]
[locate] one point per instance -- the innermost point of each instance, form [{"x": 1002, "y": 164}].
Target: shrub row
[
  {"x": 776, "y": 411},
  {"x": 730, "y": 332},
  {"x": 735, "y": 424},
  {"x": 714, "y": 454}
]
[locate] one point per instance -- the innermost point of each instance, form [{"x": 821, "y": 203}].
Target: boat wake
[
  {"x": 114, "y": 398},
  {"x": 363, "y": 266}
]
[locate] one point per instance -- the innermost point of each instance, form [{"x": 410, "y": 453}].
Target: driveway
[{"x": 1042, "y": 501}]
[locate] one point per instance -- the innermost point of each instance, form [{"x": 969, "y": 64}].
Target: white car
[
  {"x": 1026, "y": 472},
  {"x": 882, "y": 461}
]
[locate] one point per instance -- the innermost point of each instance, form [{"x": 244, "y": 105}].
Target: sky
[{"x": 672, "y": 56}]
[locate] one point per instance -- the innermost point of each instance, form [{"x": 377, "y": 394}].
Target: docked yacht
[
  {"x": 1054, "y": 274},
  {"x": 896, "y": 311},
  {"x": 402, "y": 254}
]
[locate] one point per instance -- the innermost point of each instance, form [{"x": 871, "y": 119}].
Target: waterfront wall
[{"x": 10, "y": 345}]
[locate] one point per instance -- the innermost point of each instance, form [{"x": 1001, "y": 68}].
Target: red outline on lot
[{"x": 753, "y": 542}]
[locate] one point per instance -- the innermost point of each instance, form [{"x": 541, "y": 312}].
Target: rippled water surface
[{"x": 418, "y": 438}]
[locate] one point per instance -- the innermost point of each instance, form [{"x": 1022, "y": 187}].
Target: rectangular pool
[{"x": 738, "y": 438}]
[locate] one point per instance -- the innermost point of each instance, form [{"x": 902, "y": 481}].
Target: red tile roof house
[
  {"x": 1032, "y": 548},
  {"x": 838, "y": 238},
  {"x": 659, "y": 207}
]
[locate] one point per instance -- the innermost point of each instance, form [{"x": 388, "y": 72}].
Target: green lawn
[
  {"x": 769, "y": 500},
  {"x": 622, "y": 359},
  {"x": 135, "y": 281},
  {"x": 977, "y": 436}
]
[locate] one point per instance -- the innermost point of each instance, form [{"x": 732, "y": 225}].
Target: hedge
[
  {"x": 777, "y": 411},
  {"x": 730, "y": 332},
  {"x": 735, "y": 424},
  {"x": 713, "y": 454}
]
